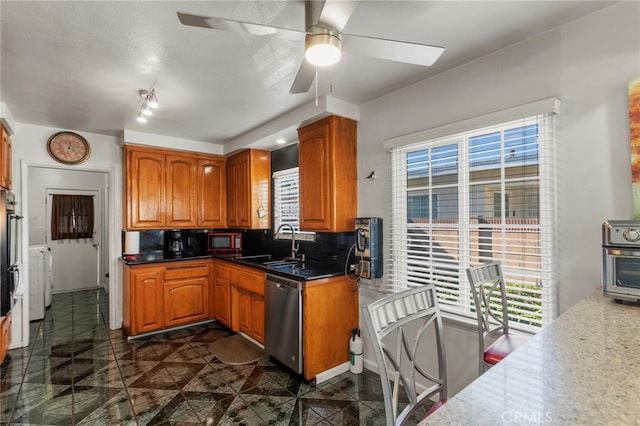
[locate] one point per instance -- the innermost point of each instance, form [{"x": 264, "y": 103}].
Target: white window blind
[
  {"x": 286, "y": 207},
  {"x": 473, "y": 197}
]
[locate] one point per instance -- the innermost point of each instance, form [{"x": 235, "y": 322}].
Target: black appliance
[
  {"x": 9, "y": 252},
  {"x": 174, "y": 247}
]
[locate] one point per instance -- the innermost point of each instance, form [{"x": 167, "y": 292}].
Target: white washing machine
[{"x": 39, "y": 281}]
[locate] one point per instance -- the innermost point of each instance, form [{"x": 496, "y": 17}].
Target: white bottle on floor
[{"x": 355, "y": 352}]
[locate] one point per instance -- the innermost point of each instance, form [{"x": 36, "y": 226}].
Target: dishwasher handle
[{"x": 281, "y": 282}]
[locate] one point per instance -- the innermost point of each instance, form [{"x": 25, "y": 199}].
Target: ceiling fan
[{"x": 324, "y": 39}]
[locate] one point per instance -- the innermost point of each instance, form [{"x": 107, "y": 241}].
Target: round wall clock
[{"x": 68, "y": 148}]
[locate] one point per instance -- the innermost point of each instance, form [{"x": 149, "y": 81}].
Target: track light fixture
[{"x": 149, "y": 103}]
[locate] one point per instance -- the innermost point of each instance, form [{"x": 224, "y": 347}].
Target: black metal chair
[
  {"x": 405, "y": 329},
  {"x": 490, "y": 299}
]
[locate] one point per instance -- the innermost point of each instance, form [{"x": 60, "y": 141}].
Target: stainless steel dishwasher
[{"x": 283, "y": 316}]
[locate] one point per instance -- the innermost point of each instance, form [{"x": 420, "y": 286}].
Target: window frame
[
  {"x": 279, "y": 208},
  {"x": 549, "y": 107}
]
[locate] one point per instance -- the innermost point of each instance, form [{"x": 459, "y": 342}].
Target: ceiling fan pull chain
[
  {"x": 316, "y": 79},
  {"x": 331, "y": 80}
]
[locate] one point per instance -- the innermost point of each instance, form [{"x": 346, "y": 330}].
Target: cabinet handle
[{"x": 186, "y": 267}]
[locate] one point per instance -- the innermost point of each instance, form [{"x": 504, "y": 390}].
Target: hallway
[{"x": 77, "y": 371}]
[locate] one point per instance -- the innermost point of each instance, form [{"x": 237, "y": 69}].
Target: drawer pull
[{"x": 185, "y": 267}]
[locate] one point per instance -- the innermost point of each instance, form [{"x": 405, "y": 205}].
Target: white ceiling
[{"x": 79, "y": 65}]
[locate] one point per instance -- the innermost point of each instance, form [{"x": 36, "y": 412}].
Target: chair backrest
[
  {"x": 405, "y": 328},
  {"x": 490, "y": 299}
]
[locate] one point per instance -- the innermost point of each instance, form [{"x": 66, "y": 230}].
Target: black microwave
[{"x": 224, "y": 242}]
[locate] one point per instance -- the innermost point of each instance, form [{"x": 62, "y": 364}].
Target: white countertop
[{"x": 582, "y": 369}]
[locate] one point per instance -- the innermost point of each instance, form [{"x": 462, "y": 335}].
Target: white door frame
[{"x": 113, "y": 193}]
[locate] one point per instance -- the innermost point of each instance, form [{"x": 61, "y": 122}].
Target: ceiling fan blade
[
  {"x": 392, "y": 50},
  {"x": 335, "y": 13},
  {"x": 239, "y": 26},
  {"x": 304, "y": 78}
]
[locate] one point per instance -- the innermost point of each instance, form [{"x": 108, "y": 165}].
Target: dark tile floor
[{"x": 77, "y": 371}]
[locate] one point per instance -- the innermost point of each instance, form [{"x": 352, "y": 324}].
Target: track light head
[{"x": 149, "y": 102}]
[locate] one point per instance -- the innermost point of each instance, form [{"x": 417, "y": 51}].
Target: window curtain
[{"x": 72, "y": 217}]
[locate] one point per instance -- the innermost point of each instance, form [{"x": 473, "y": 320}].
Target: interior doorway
[
  {"x": 75, "y": 264},
  {"x": 75, "y": 259}
]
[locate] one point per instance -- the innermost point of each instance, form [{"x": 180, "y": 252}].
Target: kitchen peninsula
[{"x": 583, "y": 368}]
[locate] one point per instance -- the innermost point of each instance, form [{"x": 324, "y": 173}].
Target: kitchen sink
[
  {"x": 256, "y": 258},
  {"x": 280, "y": 262}
]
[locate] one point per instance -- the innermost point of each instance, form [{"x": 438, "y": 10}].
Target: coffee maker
[{"x": 174, "y": 246}]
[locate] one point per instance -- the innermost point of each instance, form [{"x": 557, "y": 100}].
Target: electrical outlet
[{"x": 352, "y": 267}]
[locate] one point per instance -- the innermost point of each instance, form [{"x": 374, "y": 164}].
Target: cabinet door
[
  {"x": 5, "y": 335},
  {"x": 182, "y": 191},
  {"x": 186, "y": 301},
  {"x": 232, "y": 193},
  {"x": 145, "y": 195},
  {"x": 315, "y": 177},
  {"x": 257, "y": 317},
  {"x": 212, "y": 193},
  {"x": 5, "y": 162},
  {"x": 223, "y": 302},
  {"x": 146, "y": 302},
  {"x": 244, "y": 311},
  {"x": 243, "y": 191},
  {"x": 327, "y": 161}
]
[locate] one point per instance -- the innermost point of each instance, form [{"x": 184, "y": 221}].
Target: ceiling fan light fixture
[{"x": 322, "y": 47}]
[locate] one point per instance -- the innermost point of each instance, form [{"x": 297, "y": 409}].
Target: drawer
[
  {"x": 186, "y": 271},
  {"x": 223, "y": 271},
  {"x": 248, "y": 279}
]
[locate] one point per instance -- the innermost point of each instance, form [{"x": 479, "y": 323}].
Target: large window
[{"x": 472, "y": 197}]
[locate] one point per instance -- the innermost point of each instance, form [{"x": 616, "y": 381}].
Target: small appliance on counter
[
  {"x": 174, "y": 247},
  {"x": 224, "y": 242},
  {"x": 621, "y": 260},
  {"x": 130, "y": 245}
]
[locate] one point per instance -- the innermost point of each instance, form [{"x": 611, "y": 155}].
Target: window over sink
[{"x": 286, "y": 204}]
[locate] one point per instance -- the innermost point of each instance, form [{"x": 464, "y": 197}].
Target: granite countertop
[
  {"x": 583, "y": 369},
  {"x": 305, "y": 271},
  {"x": 302, "y": 270}
]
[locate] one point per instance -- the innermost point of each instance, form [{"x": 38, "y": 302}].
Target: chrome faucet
[{"x": 294, "y": 246}]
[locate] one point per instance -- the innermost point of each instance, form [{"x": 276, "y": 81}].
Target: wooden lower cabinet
[
  {"x": 186, "y": 301},
  {"x": 5, "y": 335},
  {"x": 245, "y": 300},
  {"x": 257, "y": 317},
  {"x": 243, "y": 310},
  {"x": 222, "y": 292},
  {"x": 166, "y": 295},
  {"x": 329, "y": 314},
  {"x": 147, "y": 292}
]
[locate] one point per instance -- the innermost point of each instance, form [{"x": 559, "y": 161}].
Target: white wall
[
  {"x": 586, "y": 64},
  {"x": 29, "y": 150}
]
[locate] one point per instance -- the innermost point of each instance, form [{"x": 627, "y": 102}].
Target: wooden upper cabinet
[
  {"x": 327, "y": 164},
  {"x": 249, "y": 190},
  {"x": 5, "y": 159},
  {"x": 168, "y": 189},
  {"x": 145, "y": 193},
  {"x": 212, "y": 192},
  {"x": 181, "y": 191}
]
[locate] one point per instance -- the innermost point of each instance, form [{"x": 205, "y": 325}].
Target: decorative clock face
[{"x": 68, "y": 148}]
